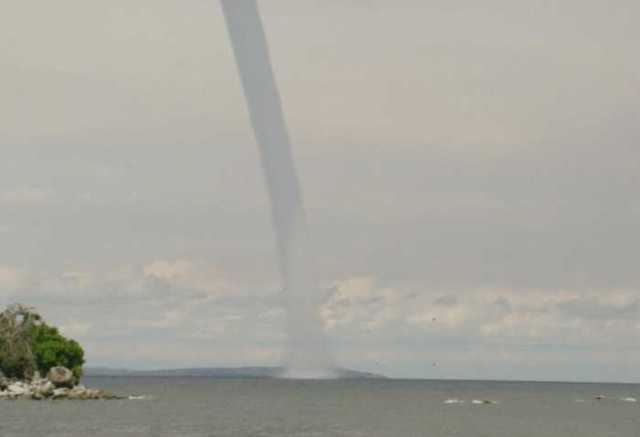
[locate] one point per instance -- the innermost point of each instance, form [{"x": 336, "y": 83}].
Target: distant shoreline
[
  {"x": 275, "y": 372},
  {"x": 218, "y": 372}
]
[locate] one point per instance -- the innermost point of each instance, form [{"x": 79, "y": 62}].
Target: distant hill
[{"x": 217, "y": 372}]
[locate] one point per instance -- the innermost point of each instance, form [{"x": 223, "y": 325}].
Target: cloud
[
  {"x": 170, "y": 302},
  {"x": 76, "y": 329},
  {"x": 210, "y": 280},
  {"x": 86, "y": 285},
  {"x": 26, "y": 196},
  {"x": 191, "y": 305},
  {"x": 615, "y": 306},
  {"x": 10, "y": 279},
  {"x": 8, "y": 274},
  {"x": 167, "y": 270},
  {"x": 483, "y": 314},
  {"x": 517, "y": 231},
  {"x": 484, "y": 332}
]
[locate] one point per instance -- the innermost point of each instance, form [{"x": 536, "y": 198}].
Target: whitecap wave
[
  {"x": 140, "y": 398},
  {"x": 484, "y": 402},
  {"x": 453, "y": 401}
]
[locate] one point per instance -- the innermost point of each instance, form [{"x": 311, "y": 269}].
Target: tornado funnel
[{"x": 307, "y": 354}]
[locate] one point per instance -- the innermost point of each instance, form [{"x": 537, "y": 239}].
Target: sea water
[{"x": 202, "y": 407}]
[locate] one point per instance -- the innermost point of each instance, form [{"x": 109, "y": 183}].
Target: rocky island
[
  {"x": 59, "y": 384},
  {"x": 30, "y": 348}
]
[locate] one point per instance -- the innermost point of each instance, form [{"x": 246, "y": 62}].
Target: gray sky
[{"x": 470, "y": 170}]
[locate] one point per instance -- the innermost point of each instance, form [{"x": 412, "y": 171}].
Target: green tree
[
  {"x": 16, "y": 355},
  {"x": 51, "y": 349},
  {"x": 28, "y": 344}
]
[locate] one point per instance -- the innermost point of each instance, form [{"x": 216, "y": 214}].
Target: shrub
[{"x": 15, "y": 365}]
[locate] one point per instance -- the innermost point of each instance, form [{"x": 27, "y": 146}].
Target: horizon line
[{"x": 379, "y": 375}]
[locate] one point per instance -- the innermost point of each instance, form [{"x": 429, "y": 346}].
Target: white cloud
[
  {"x": 76, "y": 329},
  {"x": 491, "y": 315},
  {"x": 168, "y": 270},
  {"x": 207, "y": 279},
  {"x": 356, "y": 302},
  {"x": 178, "y": 301},
  {"x": 8, "y": 274},
  {"x": 26, "y": 196},
  {"x": 368, "y": 322},
  {"x": 10, "y": 277}
]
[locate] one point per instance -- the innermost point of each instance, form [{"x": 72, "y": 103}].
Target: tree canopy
[{"x": 28, "y": 344}]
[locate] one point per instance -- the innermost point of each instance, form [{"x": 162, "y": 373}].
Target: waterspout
[{"x": 307, "y": 354}]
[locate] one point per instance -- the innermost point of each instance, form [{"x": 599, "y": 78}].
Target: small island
[{"x": 37, "y": 362}]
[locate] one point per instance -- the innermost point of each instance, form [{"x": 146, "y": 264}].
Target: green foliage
[
  {"x": 51, "y": 349},
  {"x": 28, "y": 344},
  {"x": 14, "y": 363},
  {"x": 16, "y": 358}
]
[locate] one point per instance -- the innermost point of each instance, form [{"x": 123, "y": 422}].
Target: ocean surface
[{"x": 202, "y": 407}]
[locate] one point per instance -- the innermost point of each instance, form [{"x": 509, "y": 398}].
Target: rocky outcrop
[
  {"x": 56, "y": 385},
  {"x": 61, "y": 377}
]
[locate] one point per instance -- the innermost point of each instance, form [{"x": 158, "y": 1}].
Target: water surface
[{"x": 202, "y": 407}]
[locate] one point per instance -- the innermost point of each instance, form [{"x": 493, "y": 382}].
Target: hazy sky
[{"x": 471, "y": 172}]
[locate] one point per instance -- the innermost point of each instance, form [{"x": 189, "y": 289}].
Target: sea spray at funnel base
[{"x": 307, "y": 353}]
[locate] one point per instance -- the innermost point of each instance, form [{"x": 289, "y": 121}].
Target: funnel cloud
[{"x": 307, "y": 354}]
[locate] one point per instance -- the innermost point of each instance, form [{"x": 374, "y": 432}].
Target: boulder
[
  {"x": 93, "y": 393},
  {"x": 59, "y": 384},
  {"x": 61, "y": 377},
  {"x": 60, "y": 393},
  {"x": 45, "y": 388},
  {"x": 18, "y": 389},
  {"x": 100, "y": 394},
  {"x": 78, "y": 392}
]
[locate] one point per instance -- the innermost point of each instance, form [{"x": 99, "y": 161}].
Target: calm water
[{"x": 200, "y": 407}]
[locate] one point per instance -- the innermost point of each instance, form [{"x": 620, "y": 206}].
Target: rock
[
  {"x": 78, "y": 392},
  {"x": 61, "y": 377},
  {"x": 18, "y": 389},
  {"x": 45, "y": 388},
  {"x": 60, "y": 393},
  {"x": 59, "y": 384},
  {"x": 93, "y": 393},
  {"x": 4, "y": 383},
  {"x": 101, "y": 394}
]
